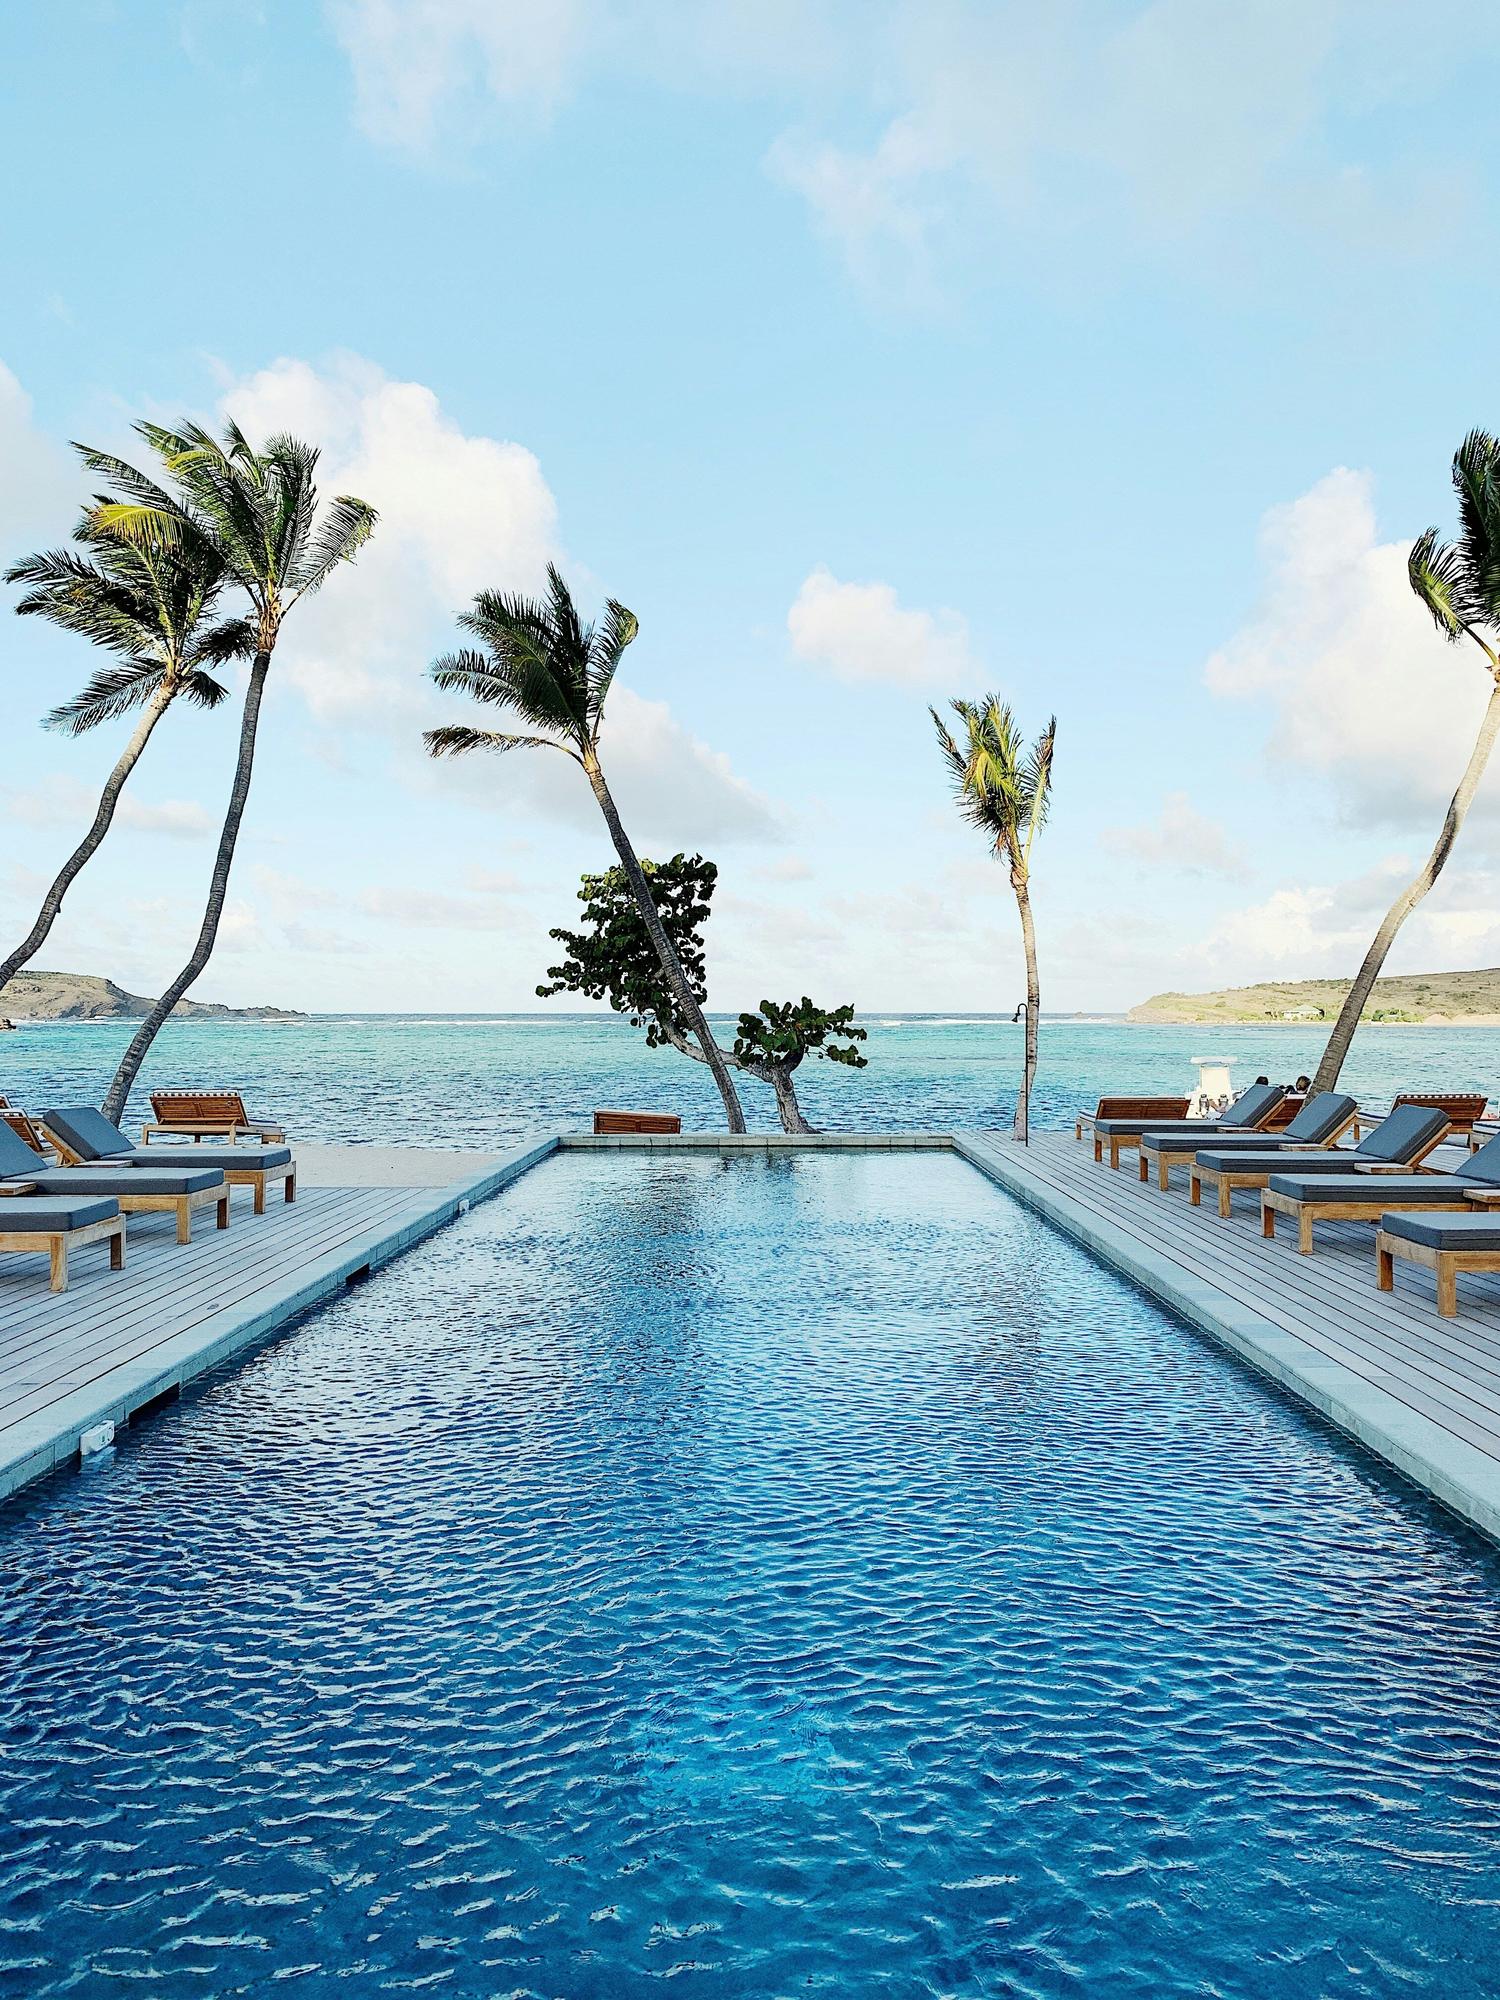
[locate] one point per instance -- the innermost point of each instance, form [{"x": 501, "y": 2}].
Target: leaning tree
[
  {"x": 614, "y": 958},
  {"x": 259, "y": 510},
  {"x": 154, "y": 613},
  {"x": 1459, "y": 583},
  {"x": 543, "y": 665}
]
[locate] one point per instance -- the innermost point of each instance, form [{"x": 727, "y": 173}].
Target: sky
[{"x": 1106, "y": 356}]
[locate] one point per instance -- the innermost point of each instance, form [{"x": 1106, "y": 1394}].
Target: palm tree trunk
[
  {"x": 671, "y": 964},
  {"x": 145, "y": 1035},
  {"x": 1355, "y": 1001},
  {"x": 109, "y": 798},
  {"x": 1021, "y": 1127}
]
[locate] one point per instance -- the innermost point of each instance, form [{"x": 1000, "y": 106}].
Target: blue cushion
[
  {"x": 1249, "y": 1160},
  {"x": 1446, "y": 1232},
  {"x": 45, "y": 1215},
  {"x": 119, "y": 1180},
  {"x": 1191, "y": 1142},
  {"x": 1321, "y": 1118},
  {"x": 16, "y": 1158},
  {"x": 1375, "y": 1190},
  {"x": 222, "y": 1158},
  {"x": 1254, "y": 1107},
  {"x": 1483, "y": 1165},
  {"x": 87, "y": 1132},
  {"x": 1404, "y": 1134}
]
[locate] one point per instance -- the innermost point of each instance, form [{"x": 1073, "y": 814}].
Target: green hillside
[{"x": 1429, "y": 998}]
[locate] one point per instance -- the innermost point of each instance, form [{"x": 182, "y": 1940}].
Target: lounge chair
[
  {"x": 208, "y": 1114},
  {"x": 1356, "y": 1186},
  {"x": 1462, "y": 1108},
  {"x": 1322, "y": 1121},
  {"x": 25, "y": 1125},
  {"x": 36, "y": 1224},
  {"x": 164, "y": 1190},
  {"x": 1131, "y": 1107},
  {"x": 1446, "y": 1244},
  {"x": 1366, "y": 1197},
  {"x": 85, "y": 1136},
  {"x": 636, "y": 1121},
  {"x": 1248, "y": 1113}
]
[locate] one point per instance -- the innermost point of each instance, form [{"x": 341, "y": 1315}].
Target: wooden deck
[
  {"x": 115, "y": 1342},
  {"x": 1420, "y": 1391}
]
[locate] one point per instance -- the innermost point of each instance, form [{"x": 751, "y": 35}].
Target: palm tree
[
  {"x": 541, "y": 662},
  {"x": 1459, "y": 582},
  {"x": 152, "y": 609},
  {"x": 259, "y": 512},
  {"x": 1003, "y": 789}
]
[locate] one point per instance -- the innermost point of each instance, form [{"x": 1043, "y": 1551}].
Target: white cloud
[
  {"x": 66, "y": 802},
  {"x": 457, "y": 512},
  {"x": 40, "y": 491},
  {"x": 1363, "y": 691},
  {"x": 1179, "y": 837},
  {"x": 417, "y": 62},
  {"x": 861, "y": 632}
]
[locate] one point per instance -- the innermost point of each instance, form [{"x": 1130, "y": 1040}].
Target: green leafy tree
[
  {"x": 554, "y": 673},
  {"x": 614, "y": 958},
  {"x": 259, "y": 511},
  {"x": 153, "y": 611},
  {"x": 1459, "y": 583},
  {"x": 1005, "y": 789}
]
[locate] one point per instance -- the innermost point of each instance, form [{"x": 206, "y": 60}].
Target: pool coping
[{"x": 1459, "y": 1476}]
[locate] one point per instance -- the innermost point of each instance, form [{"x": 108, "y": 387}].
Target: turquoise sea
[{"x": 479, "y": 1081}]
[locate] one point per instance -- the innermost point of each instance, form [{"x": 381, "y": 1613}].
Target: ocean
[{"x": 482, "y": 1081}]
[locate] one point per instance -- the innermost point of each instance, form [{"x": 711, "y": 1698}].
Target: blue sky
[{"x": 871, "y": 354}]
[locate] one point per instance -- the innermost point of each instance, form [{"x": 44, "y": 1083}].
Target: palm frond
[
  {"x": 1436, "y": 572},
  {"x": 606, "y": 649},
  {"x": 202, "y": 689},
  {"x": 345, "y": 528},
  {"x": 229, "y": 639},
  {"x": 112, "y": 691},
  {"x": 454, "y": 738}
]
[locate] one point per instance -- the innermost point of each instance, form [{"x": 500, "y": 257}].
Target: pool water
[{"x": 771, "y": 1577}]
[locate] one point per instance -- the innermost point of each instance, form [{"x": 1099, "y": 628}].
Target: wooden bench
[
  {"x": 617, "y": 1122},
  {"x": 208, "y": 1114},
  {"x": 1131, "y": 1107}
]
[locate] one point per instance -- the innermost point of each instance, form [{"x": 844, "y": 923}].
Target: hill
[
  {"x": 81, "y": 996},
  {"x": 1430, "y": 999}
]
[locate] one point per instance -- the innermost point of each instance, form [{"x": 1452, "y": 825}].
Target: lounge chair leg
[
  {"x": 1142, "y": 1164},
  {"x": 1267, "y": 1219},
  {"x": 1385, "y": 1270},
  {"x": 184, "y": 1222},
  {"x": 1098, "y": 1150},
  {"x": 58, "y": 1259},
  {"x": 1447, "y": 1286},
  {"x": 223, "y": 1210},
  {"x": 117, "y": 1250},
  {"x": 1304, "y": 1232},
  {"x": 1225, "y": 1192},
  {"x": 260, "y": 1194},
  {"x": 1195, "y": 1187},
  {"x": 1114, "y": 1154},
  {"x": 1162, "y": 1170},
  {"x": 291, "y": 1187}
]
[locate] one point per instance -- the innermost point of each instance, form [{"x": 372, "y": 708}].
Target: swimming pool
[{"x": 779, "y": 1576}]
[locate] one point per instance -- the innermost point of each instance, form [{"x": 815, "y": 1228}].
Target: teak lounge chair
[
  {"x": 168, "y": 1190},
  {"x": 208, "y": 1114},
  {"x": 1247, "y": 1114},
  {"x": 86, "y": 1136},
  {"x": 1322, "y": 1121},
  {"x": 1366, "y": 1197},
  {"x": 1356, "y": 1186},
  {"x": 1131, "y": 1107},
  {"x": 1397, "y": 1144},
  {"x": 45, "y": 1225},
  {"x": 1446, "y": 1244}
]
